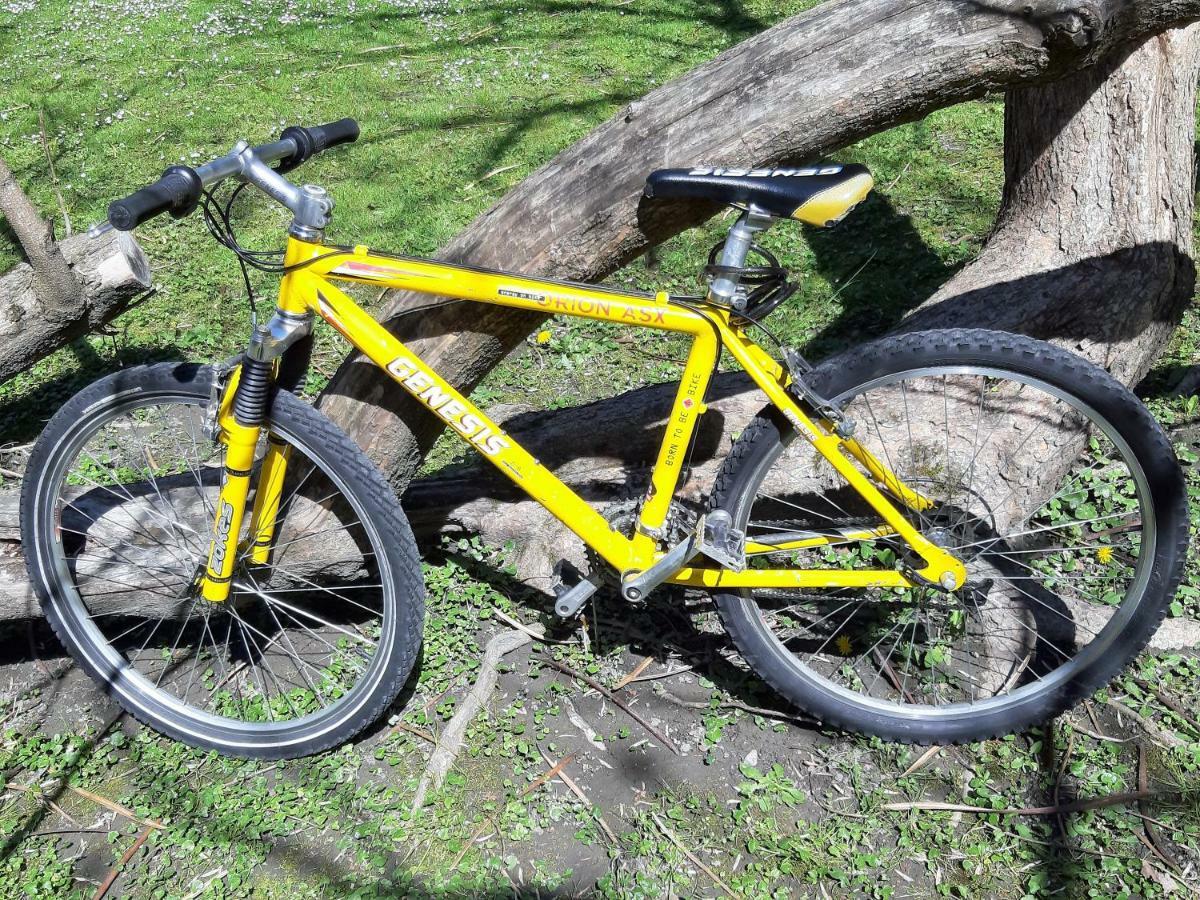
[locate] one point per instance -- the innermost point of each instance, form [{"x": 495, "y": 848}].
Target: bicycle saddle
[{"x": 818, "y": 195}]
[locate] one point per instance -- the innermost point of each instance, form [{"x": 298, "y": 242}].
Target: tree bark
[
  {"x": 107, "y": 273},
  {"x": 813, "y": 83},
  {"x": 136, "y": 578},
  {"x": 1092, "y": 247},
  {"x": 52, "y": 277}
]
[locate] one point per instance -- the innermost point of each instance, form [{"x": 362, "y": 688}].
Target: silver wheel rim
[{"x": 138, "y": 690}]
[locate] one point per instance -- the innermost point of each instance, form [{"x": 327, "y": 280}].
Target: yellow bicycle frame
[{"x": 710, "y": 327}]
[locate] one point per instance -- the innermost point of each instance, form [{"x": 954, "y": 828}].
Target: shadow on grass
[
  {"x": 880, "y": 269},
  {"x": 662, "y": 626},
  {"x": 25, "y": 416},
  {"x": 317, "y": 859}
]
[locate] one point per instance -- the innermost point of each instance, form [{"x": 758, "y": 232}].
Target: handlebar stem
[
  {"x": 179, "y": 189},
  {"x": 310, "y": 205}
]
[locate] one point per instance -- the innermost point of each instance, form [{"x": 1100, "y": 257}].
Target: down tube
[{"x": 466, "y": 420}]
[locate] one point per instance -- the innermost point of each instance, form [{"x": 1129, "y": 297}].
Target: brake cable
[{"x": 218, "y": 219}]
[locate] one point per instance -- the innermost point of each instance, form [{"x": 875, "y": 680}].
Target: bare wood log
[
  {"x": 108, "y": 272},
  {"x": 811, "y": 84},
  {"x": 129, "y": 562},
  {"x": 603, "y": 450}
]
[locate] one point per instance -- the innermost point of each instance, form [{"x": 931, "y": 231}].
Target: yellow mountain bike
[{"x": 937, "y": 537}]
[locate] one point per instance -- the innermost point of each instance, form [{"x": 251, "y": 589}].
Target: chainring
[{"x": 622, "y": 516}]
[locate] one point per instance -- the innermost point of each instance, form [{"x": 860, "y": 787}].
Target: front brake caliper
[{"x": 222, "y": 372}]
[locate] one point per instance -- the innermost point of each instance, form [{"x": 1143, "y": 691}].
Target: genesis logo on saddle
[{"x": 817, "y": 195}]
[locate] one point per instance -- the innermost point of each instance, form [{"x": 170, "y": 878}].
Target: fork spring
[{"x": 250, "y": 404}]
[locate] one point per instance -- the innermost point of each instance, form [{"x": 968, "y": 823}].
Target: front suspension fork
[
  {"x": 242, "y": 417},
  {"x": 241, "y": 420}
]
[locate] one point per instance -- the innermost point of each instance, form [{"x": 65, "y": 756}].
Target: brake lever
[{"x": 99, "y": 229}]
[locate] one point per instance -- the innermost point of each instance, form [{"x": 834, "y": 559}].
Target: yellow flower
[
  {"x": 843, "y": 645},
  {"x": 1104, "y": 554},
  {"x": 543, "y": 337}
]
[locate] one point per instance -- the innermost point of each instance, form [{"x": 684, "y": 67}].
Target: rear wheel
[
  {"x": 1048, "y": 478},
  {"x": 116, "y": 515}
]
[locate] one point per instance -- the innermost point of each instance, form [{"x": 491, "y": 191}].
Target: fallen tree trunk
[
  {"x": 108, "y": 273},
  {"x": 130, "y": 563},
  {"x": 138, "y": 583},
  {"x": 1107, "y": 108},
  {"x": 818, "y": 81},
  {"x": 603, "y": 450},
  {"x": 1091, "y": 250}
]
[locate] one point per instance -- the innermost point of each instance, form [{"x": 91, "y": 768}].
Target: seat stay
[{"x": 940, "y": 567}]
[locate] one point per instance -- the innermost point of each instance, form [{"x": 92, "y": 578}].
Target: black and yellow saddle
[{"x": 817, "y": 195}]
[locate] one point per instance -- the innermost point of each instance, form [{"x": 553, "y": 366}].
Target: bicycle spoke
[
  {"x": 139, "y": 537},
  {"x": 1025, "y": 614}
]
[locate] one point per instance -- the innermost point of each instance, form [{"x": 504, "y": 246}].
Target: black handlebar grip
[
  {"x": 177, "y": 192},
  {"x": 343, "y": 131},
  {"x": 311, "y": 141}
]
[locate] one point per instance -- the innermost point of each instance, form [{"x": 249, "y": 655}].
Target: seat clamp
[{"x": 723, "y": 289}]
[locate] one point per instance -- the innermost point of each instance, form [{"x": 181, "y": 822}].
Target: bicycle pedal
[
  {"x": 570, "y": 597},
  {"x": 721, "y": 542}
]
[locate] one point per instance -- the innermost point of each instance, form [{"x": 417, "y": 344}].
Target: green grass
[{"x": 458, "y": 102}]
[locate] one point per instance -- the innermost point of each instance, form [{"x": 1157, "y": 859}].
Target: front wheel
[
  {"x": 116, "y": 512},
  {"x": 1045, "y": 476}
]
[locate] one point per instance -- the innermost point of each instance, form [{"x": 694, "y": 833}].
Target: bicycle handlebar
[
  {"x": 311, "y": 141},
  {"x": 178, "y": 190}
]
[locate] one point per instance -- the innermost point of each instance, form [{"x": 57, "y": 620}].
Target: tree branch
[
  {"x": 813, "y": 83},
  {"x": 55, "y": 285}
]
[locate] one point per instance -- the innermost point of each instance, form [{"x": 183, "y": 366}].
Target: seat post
[{"x": 724, "y": 288}]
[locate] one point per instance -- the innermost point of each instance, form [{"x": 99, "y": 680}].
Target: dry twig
[
  {"x": 1076, "y": 806},
  {"x": 1099, "y": 735},
  {"x": 595, "y": 685},
  {"x": 578, "y": 792},
  {"x": 62, "y": 206},
  {"x": 696, "y": 861},
  {"x": 737, "y": 704},
  {"x": 1153, "y": 840},
  {"x": 413, "y": 730},
  {"x": 637, "y": 670},
  {"x": 922, "y": 761},
  {"x": 1170, "y": 703},
  {"x": 1151, "y": 728},
  {"x": 212, "y": 876},
  {"x": 659, "y": 676},
  {"x": 125, "y": 857},
  {"x": 87, "y": 795},
  {"x": 529, "y": 789},
  {"x": 115, "y": 807},
  {"x": 450, "y": 744},
  {"x": 535, "y": 633}
]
